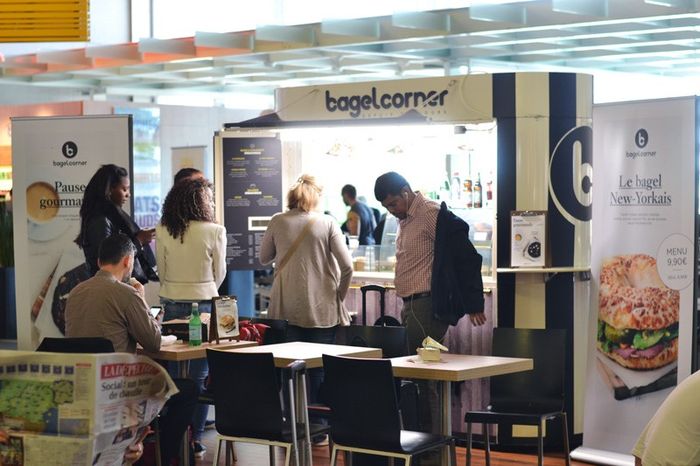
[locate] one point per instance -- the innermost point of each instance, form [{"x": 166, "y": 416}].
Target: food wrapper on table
[
  {"x": 430, "y": 350},
  {"x": 77, "y": 409}
]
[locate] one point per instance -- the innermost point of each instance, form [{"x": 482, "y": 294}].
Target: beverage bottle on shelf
[
  {"x": 195, "y": 326},
  {"x": 489, "y": 192},
  {"x": 468, "y": 193},
  {"x": 477, "y": 192},
  {"x": 455, "y": 192}
]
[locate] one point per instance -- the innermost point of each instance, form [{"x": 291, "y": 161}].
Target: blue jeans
[{"x": 199, "y": 369}]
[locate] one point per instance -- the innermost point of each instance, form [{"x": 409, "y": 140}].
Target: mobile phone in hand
[{"x": 155, "y": 310}]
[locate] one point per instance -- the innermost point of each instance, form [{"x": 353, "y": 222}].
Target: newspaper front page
[{"x": 76, "y": 409}]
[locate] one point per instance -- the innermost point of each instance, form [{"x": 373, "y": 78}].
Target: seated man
[
  {"x": 112, "y": 306},
  {"x": 672, "y": 436}
]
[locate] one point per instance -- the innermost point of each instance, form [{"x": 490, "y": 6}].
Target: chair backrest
[
  {"x": 277, "y": 333},
  {"x": 246, "y": 394},
  {"x": 362, "y": 398},
  {"x": 392, "y": 340},
  {"x": 541, "y": 388},
  {"x": 76, "y": 345}
]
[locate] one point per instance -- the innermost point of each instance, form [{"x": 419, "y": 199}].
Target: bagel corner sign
[{"x": 434, "y": 99}]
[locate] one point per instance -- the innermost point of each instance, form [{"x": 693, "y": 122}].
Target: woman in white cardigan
[{"x": 191, "y": 258}]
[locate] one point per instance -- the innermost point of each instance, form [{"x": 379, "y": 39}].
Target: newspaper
[{"x": 76, "y": 409}]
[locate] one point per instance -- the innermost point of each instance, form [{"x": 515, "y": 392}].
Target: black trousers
[{"x": 175, "y": 417}]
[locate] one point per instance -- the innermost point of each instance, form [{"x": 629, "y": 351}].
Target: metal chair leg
[
  {"x": 469, "y": 444},
  {"x": 305, "y": 414},
  {"x": 334, "y": 455},
  {"x": 453, "y": 453},
  {"x": 216, "y": 453},
  {"x": 227, "y": 452},
  {"x": 540, "y": 445},
  {"x": 485, "y": 428},
  {"x": 272, "y": 455},
  {"x": 232, "y": 452},
  {"x": 293, "y": 422},
  {"x": 287, "y": 455},
  {"x": 565, "y": 431}
]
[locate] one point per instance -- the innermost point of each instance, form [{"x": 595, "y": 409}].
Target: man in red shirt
[{"x": 415, "y": 253}]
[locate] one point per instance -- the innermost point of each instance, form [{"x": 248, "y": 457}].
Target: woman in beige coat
[{"x": 313, "y": 269}]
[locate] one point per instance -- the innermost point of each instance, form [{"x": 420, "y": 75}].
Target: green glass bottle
[{"x": 195, "y": 326}]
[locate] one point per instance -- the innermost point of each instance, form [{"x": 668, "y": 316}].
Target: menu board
[{"x": 252, "y": 185}]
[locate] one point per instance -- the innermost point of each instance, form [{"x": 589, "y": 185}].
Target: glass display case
[{"x": 382, "y": 258}]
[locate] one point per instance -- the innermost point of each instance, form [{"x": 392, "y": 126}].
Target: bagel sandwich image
[
  {"x": 227, "y": 322},
  {"x": 637, "y": 314}
]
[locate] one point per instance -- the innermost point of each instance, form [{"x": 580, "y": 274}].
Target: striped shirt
[{"x": 415, "y": 246}]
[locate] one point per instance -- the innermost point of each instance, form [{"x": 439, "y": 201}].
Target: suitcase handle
[{"x": 367, "y": 288}]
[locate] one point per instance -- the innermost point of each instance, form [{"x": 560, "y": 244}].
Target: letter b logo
[
  {"x": 69, "y": 149},
  {"x": 641, "y": 138}
]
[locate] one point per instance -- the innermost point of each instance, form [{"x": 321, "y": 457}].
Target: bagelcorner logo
[
  {"x": 356, "y": 104},
  {"x": 69, "y": 150},
  {"x": 641, "y": 139}
]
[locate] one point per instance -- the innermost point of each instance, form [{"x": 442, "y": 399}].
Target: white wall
[{"x": 180, "y": 127}]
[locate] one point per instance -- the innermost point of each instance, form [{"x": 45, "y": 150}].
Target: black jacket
[{"x": 456, "y": 286}]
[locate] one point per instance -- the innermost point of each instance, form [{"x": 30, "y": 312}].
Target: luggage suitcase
[{"x": 383, "y": 320}]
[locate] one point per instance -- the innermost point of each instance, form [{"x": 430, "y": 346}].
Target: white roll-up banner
[
  {"x": 643, "y": 268},
  {"x": 53, "y": 159}
]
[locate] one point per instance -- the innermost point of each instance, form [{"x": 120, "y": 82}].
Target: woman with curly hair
[
  {"x": 101, "y": 215},
  {"x": 191, "y": 257}
]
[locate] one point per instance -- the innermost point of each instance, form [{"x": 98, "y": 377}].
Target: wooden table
[
  {"x": 183, "y": 353},
  {"x": 312, "y": 355},
  {"x": 455, "y": 368}
]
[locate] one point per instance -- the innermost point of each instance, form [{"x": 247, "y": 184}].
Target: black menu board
[{"x": 252, "y": 183}]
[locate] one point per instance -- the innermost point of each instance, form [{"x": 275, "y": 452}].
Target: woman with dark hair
[
  {"x": 191, "y": 257},
  {"x": 101, "y": 215}
]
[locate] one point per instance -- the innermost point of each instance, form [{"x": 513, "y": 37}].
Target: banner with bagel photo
[{"x": 643, "y": 260}]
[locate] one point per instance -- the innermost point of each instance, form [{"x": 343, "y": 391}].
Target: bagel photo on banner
[{"x": 642, "y": 266}]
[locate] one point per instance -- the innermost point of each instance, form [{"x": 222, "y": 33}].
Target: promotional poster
[
  {"x": 53, "y": 161},
  {"x": 643, "y": 266}
]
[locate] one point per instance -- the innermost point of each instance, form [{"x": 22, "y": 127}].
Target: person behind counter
[
  {"x": 361, "y": 221},
  {"x": 191, "y": 258},
  {"x": 111, "y": 305},
  {"x": 101, "y": 215},
  {"x": 431, "y": 242},
  {"x": 313, "y": 269}
]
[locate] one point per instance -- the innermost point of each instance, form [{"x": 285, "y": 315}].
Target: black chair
[
  {"x": 370, "y": 423},
  {"x": 76, "y": 345},
  {"x": 277, "y": 333},
  {"x": 526, "y": 398},
  {"x": 248, "y": 404}
]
